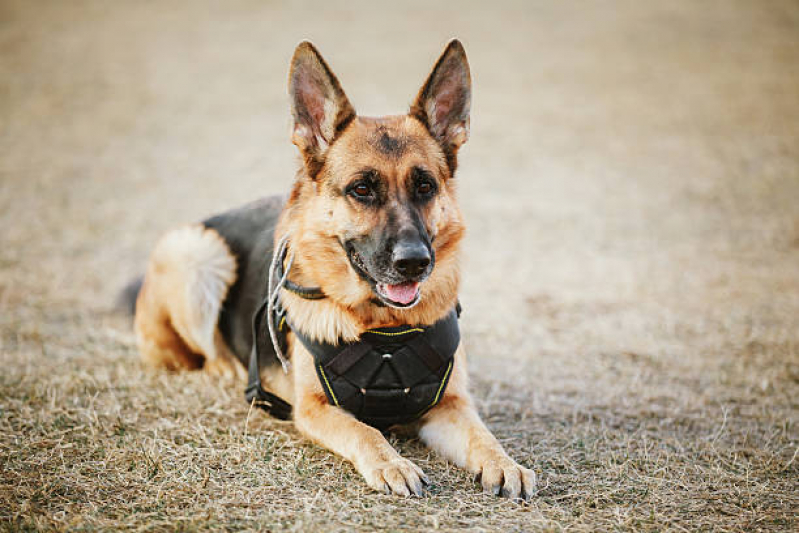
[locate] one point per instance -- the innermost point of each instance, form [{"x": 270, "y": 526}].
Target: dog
[{"x": 366, "y": 245}]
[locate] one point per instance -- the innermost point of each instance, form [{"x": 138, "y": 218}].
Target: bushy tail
[{"x": 127, "y": 298}]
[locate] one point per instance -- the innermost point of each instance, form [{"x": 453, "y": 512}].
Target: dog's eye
[
  {"x": 424, "y": 188},
  {"x": 360, "y": 190}
]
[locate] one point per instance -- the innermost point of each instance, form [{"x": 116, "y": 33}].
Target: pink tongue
[{"x": 403, "y": 293}]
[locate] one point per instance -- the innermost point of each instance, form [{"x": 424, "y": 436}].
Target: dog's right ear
[{"x": 319, "y": 106}]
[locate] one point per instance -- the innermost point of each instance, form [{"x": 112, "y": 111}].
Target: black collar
[{"x": 309, "y": 293}]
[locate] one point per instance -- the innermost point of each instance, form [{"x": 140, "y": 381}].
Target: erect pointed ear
[
  {"x": 318, "y": 104},
  {"x": 444, "y": 101}
]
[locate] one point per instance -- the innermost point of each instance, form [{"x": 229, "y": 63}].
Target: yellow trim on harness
[
  {"x": 329, "y": 388},
  {"x": 282, "y": 322},
  {"x": 446, "y": 375},
  {"x": 394, "y": 334}
]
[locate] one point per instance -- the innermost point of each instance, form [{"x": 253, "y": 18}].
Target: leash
[
  {"x": 273, "y": 294},
  {"x": 255, "y": 393}
]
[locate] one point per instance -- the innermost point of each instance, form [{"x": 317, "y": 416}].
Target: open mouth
[{"x": 399, "y": 295}]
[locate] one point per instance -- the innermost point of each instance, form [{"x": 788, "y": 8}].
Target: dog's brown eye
[
  {"x": 425, "y": 189},
  {"x": 424, "y": 186},
  {"x": 361, "y": 190}
]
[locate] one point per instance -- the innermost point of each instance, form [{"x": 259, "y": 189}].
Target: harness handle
[{"x": 255, "y": 393}]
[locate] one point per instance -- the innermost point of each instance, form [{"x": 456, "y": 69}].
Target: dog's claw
[
  {"x": 400, "y": 477},
  {"x": 528, "y": 484},
  {"x": 417, "y": 488},
  {"x": 494, "y": 491},
  {"x": 417, "y": 485},
  {"x": 503, "y": 477}
]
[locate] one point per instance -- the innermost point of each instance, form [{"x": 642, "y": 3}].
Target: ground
[{"x": 631, "y": 270}]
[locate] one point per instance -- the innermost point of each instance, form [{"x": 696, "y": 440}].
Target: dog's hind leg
[{"x": 178, "y": 308}]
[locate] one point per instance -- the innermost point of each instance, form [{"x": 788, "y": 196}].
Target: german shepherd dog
[{"x": 372, "y": 220}]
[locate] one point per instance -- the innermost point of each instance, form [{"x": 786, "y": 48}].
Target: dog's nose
[{"x": 411, "y": 259}]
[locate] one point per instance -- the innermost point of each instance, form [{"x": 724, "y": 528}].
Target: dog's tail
[{"x": 126, "y": 301}]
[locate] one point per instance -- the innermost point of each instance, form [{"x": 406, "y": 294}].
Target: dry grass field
[{"x": 631, "y": 286}]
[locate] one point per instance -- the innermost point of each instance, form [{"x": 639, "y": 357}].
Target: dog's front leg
[
  {"x": 454, "y": 429},
  {"x": 335, "y": 429}
]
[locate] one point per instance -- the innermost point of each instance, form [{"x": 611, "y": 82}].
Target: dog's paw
[
  {"x": 502, "y": 476},
  {"x": 397, "y": 476}
]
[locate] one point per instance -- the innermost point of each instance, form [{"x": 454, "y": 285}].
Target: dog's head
[{"x": 377, "y": 194}]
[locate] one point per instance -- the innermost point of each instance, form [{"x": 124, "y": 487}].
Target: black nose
[{"x": 411, "y": 259}]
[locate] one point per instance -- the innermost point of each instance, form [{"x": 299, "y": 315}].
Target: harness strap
[
  {"x": 263, "y": 399},
  {"x": 431, "y": 358},
  {"x": 255, "y": 393},
  {"x": 348, "y": 357}
]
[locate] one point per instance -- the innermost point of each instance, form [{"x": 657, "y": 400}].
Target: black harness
[{"x": 389, "y": 376}]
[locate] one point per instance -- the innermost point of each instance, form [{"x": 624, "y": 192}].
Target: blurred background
[
  {"x": 621, "y": 153},
  {"x": 631, "y": 185}
]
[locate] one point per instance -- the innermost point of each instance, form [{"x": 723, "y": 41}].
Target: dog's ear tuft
[
  {"x": 319, "y": 106},
  {"x": 444, "y": 101}
]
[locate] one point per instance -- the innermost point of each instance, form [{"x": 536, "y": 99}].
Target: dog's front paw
[
  {"x": 398, "y": 476},
  {"x": 501, "y": 475}
]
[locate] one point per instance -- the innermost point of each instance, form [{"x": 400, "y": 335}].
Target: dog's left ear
[
  {"x": 319, "y": 106},
  {"x": 444, "y": 101}
]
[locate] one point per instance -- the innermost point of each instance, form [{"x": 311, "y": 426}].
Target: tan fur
[
  {"x": 454, "y": 429},
  {"x": 188, "y": 276},
  {"x": 335, "y": 429},
  {"x": 192, "y": 268},
  {"x": 319, "y": 220}
]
